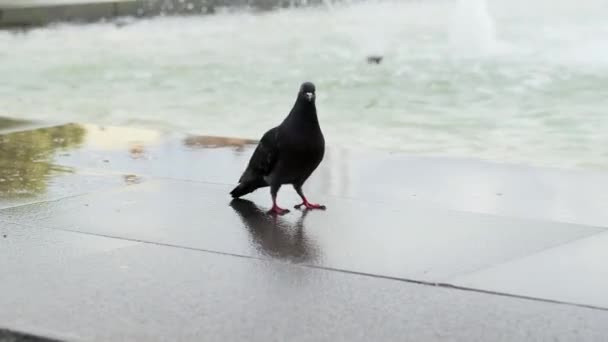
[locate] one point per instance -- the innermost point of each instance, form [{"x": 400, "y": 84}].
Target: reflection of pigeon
[
  {"x": 288, "y": 153},
  {"x": 276, "y": 237}
]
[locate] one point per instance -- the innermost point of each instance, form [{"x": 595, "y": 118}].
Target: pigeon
[
  {"x": 287, "y": 153},
  {"x": 375, "y": 59}
]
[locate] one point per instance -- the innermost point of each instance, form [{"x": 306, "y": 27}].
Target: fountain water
[
  {"x": 445, "y": 86},
  {"x": 472, "y": 30}
]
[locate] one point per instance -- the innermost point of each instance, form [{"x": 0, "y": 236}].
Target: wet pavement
[{"x": 113, "y": 233}]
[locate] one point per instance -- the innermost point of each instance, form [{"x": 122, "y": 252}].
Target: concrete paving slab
[
  {"x": 156, "y": 293},
  {"x": 29, "y": 172},
  {"x": 572, "y": 196},
  {"x": 27, "y": 249},
  {"x": 574, "y": 272},
  {"x": 415, "y": 241},
  {"x": 389, "y": 215},
  {"x": 386, "y": 232},
  {"x": 575, "y": 196},
  {"x": 64, "y": 185}
]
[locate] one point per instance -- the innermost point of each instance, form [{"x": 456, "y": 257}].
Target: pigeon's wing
[{"x": 264, "y": 157}]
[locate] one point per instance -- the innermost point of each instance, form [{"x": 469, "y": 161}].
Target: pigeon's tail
[
  {"x": 240, "y": 190},
  {"x": 246, "y": 187}
]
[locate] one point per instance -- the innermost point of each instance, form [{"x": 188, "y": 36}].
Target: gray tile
[
  {"x": 388, "y": 215},
  {"x": 28, "y": 249},
  {"x": 29, "y": 171},
  {"x": 576, "y": 272},
  {"x": 155, "y": 293},
  {"x": 573, "y": 196},
  {"x": 67, "y": 185},
  {"x": 508, "y": 190},
  {"x": 412, "y": 241}
]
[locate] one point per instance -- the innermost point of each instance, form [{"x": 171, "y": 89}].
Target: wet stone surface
[
  {"x": 87, "y": 211},
  {"x": 29, "y": 171}
]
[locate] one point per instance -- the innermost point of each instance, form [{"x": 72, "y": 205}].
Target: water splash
[{"x": 472, "y": 30}]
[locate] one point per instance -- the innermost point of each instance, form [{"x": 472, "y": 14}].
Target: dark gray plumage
[{"x": 287, "y": 153}]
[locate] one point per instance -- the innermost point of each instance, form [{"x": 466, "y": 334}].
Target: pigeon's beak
[{"x": 310, "y": 96}]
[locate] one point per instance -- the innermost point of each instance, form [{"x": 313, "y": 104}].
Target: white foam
[{"x": 454, "y": 75}]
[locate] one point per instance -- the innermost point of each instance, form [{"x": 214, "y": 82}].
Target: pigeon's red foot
[
  {"x": 276, "y": 210},
  {"x": 309, "y": 205}
]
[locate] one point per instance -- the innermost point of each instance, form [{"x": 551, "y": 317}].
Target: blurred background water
[{"x": 510, "y": 81}]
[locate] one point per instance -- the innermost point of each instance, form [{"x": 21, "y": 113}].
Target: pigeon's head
[{"x": 307, "y": 92}]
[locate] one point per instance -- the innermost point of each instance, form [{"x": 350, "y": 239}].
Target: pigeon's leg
[
  {"x": 305, "y": 202},
  {"x": 274, "y": 190}
]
